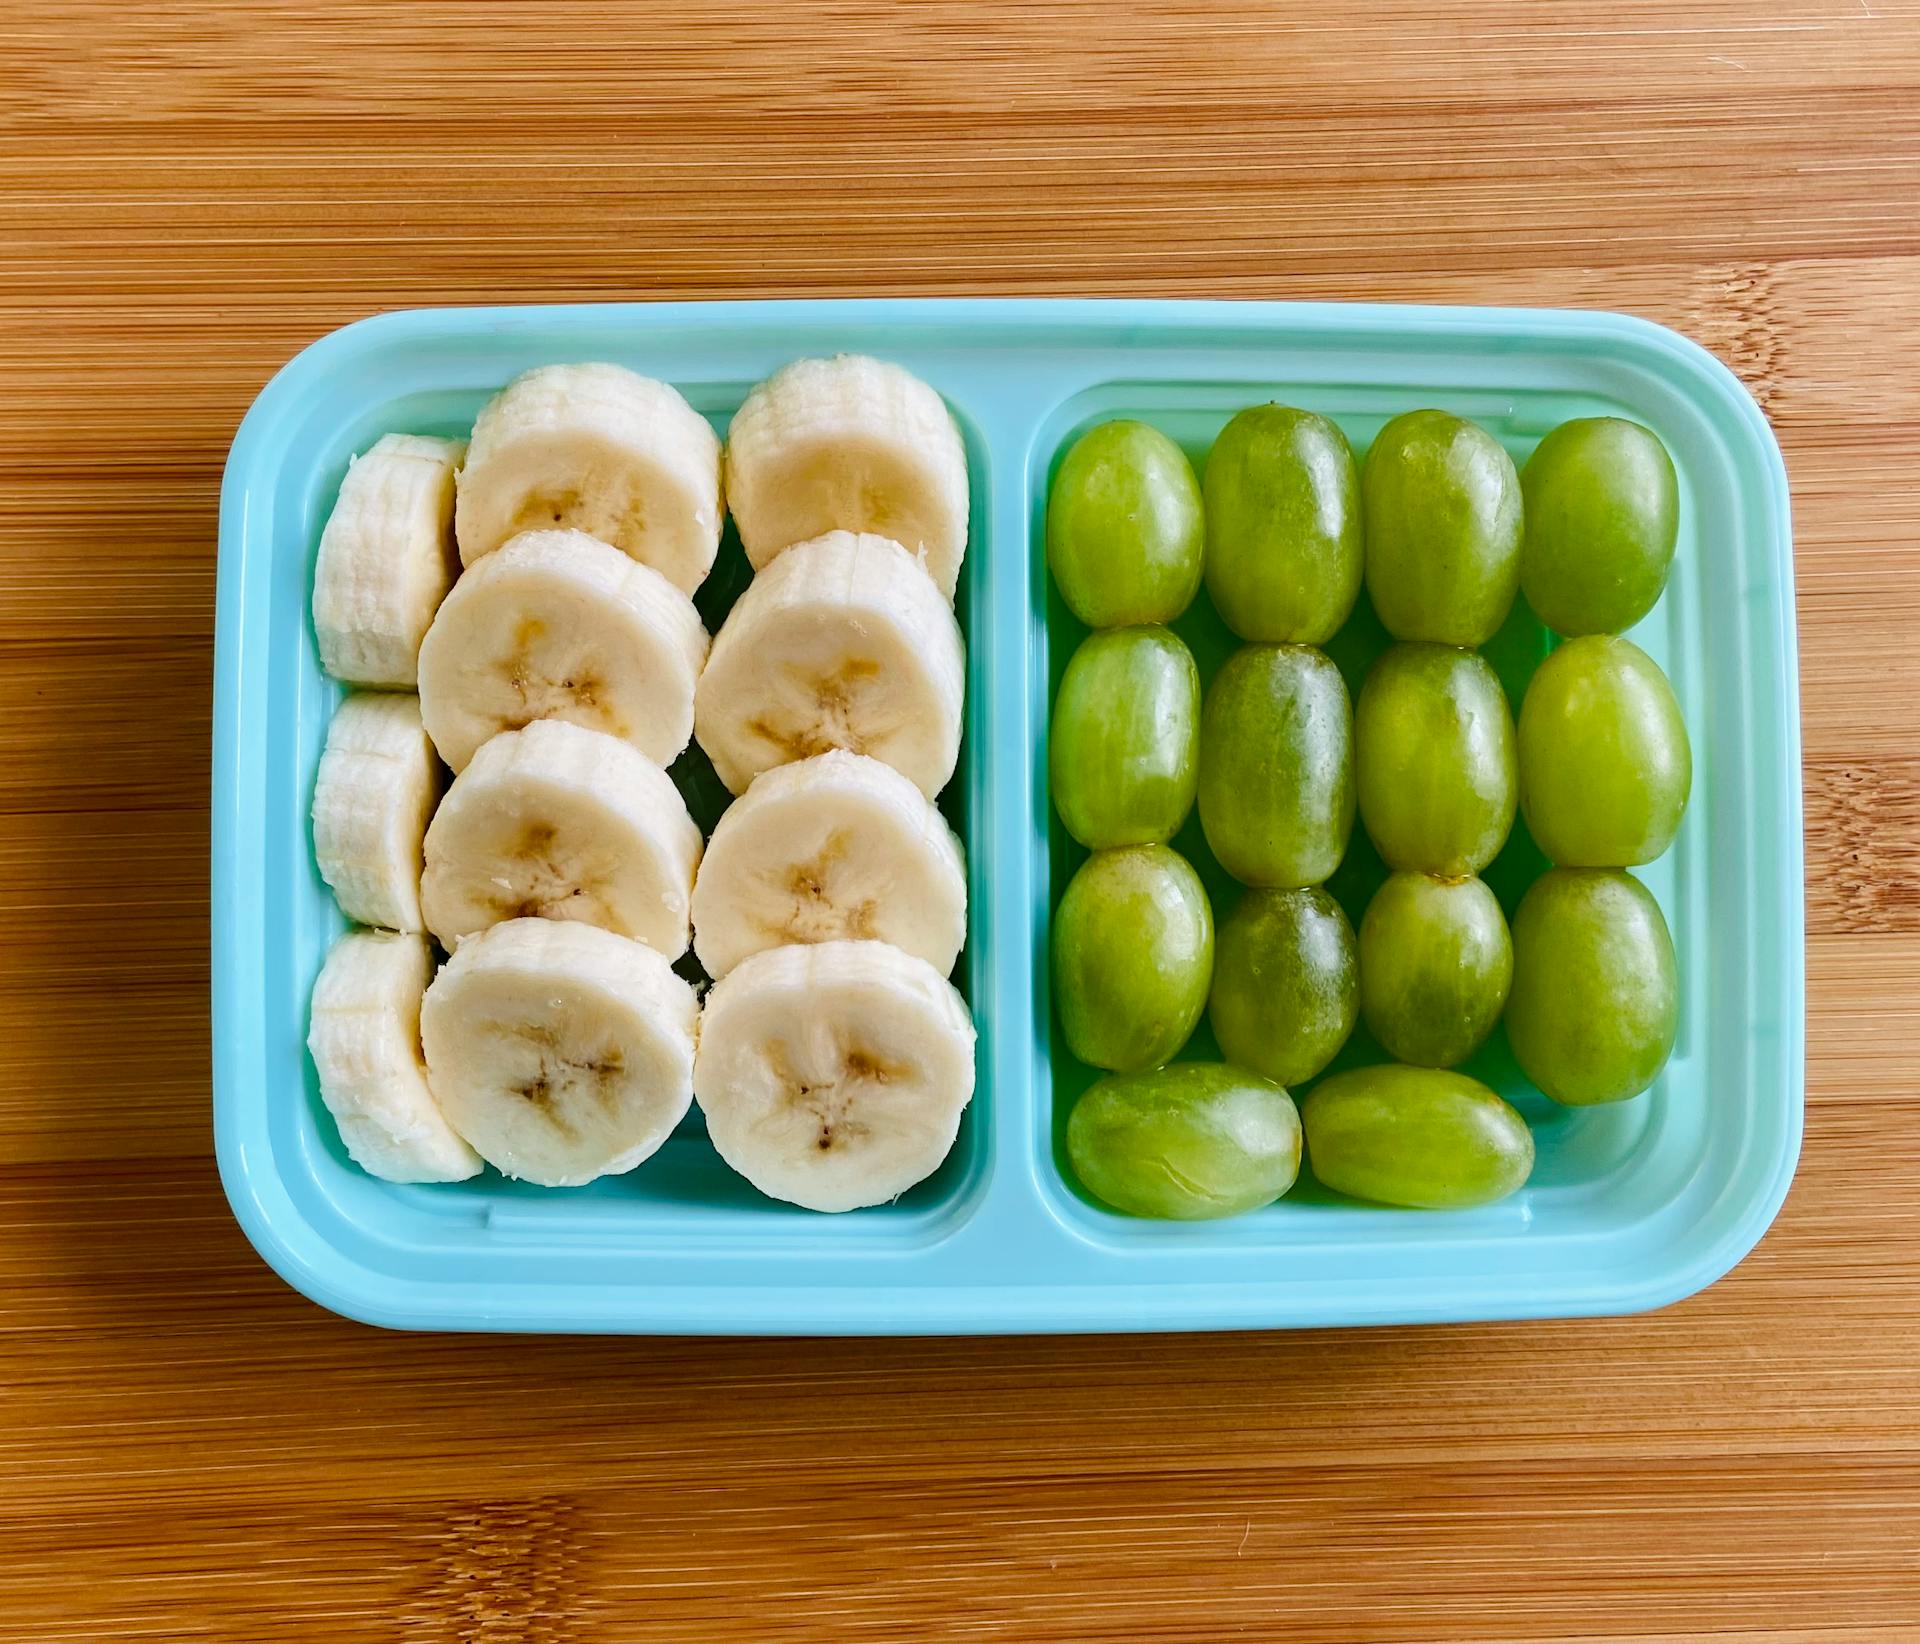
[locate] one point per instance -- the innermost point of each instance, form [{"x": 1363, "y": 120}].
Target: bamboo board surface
[{"x": 189, "y": 1450}]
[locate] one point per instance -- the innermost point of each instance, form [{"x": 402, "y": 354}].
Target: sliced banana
[
  {"x": 601, "y": 449},
  {"x": 365, "y": 1039},
  {"x": 834, "y": 1076},
  {"x": 835, "y": 847},
  {"x": 849, "y": 444},
  {"x": 842, "y": 642},
  {"x": 386, "y": 559},
  {"x": 560, "y": 1051},
  {"x": 558, "y": 625},
  {"x": 559, "y": 822},
  {"x": 377, "y": 786}
]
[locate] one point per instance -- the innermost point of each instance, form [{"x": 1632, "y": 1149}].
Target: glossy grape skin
[
  {"x": 1603, "y": 513},
  {"x": 1276, "y": 766},
  {"x": 1124, "y": 749},
  {"x": 1282, "y": 495},
  {"x": 1415, "y": 1136},
  {"x": 1596, "y": 993},
  {"x": 1285, "y": 983},
  {"x": 1124, "y": 531},
  {"x": 1192, "y": 1142},
  {"x": 1435, "y": 965},
  {"x": 1605, "y": 765},
  {"x": 1443, "y": 522},
  {"x": 1434, "y": 762},
  {"x": 1132, "y": 957}
]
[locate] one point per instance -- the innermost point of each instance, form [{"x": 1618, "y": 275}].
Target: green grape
[
  {"x": 1285, "y": 983},
  {"x": 1276, "y": 766},
  {"x": 1603, "y": 512},
  {"x": 1191, "y": 1143},
  {"x": 1435, "y": 965},
  {"x": 1415, "y": 1136},
  {"x": 1605, "y": 766},
  {"x": 1596, "y": 999},
  {"x": 1282, "y": 498},
  {"x": 1443, "y": 513},
  {"x": 1434, "y": 761},
  {"x": 1124, "y": 531},
  {"x": 1132, "y": 957},
  {"x": 1124, "y": 750}
]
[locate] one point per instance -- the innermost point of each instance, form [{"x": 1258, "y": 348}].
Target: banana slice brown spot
[
  {"x": 538, "y": 1092},
  {"x": 567, "y": 507},
  {"x": 857, "y": 667},
  {"x": 521, "y": 675},
  {"x": 815, "y": 916},
  {"x": 828, "y": 1100},
  {"x": 805, "y": 742},
  {"x": 543, "y": 508},
  {"x": 559, "y": 1073},
  {"x": 838, "y": 694},
  {"x": 836, "y": 1129},
  {"x": 535, "y": 847},
  {"x": 541, "y": 696},
  {"x": 838, "y": 691},
  {"x": 877, "y": 511},
  {"x": 863, "y": 1066}
]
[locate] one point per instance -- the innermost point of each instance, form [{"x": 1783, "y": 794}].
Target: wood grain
[{"x": 190, "y": 193}]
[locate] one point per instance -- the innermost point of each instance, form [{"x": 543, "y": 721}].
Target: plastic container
[{"x": 1630, "y": 1206}]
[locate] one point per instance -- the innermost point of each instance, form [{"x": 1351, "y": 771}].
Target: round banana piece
[
  {"x": 559, "y": 822},
  {"x": 562, "y": 1052},
  {"x": 600, "y": 449},
  {"x": 842, "y": 642},
  {"x": 377, "y": 785},
  {"x": 849, "y": 444},
  {"x": 558, "y": 625},
  {"x": 834, "y": 847},
  {"x": 386, "y": 559},
  {"x": 365, "y": 1039},
  {"x": 834, "y": 1076}
]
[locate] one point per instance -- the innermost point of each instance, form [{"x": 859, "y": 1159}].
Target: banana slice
[
  {"x": 386, "y": 559},
  {"x": 559, "y": 822},
  {"x": 835, "y": 847},
  {"x": 849, "y": 444},
  {"x": 377, "y": 786},
  {"x": 365, "y": 1040},
  {"x": 604, "y": 450},
  {"x": 557, "y": 625},
  {"x": 842, "y": 642},
  {"x": 834, "y": 1076},
  {"x": 562, "y": 1052}
]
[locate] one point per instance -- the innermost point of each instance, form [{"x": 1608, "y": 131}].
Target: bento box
[{"x": 1629, "y": 1207}]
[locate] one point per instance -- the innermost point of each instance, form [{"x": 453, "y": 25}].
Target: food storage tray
[{"x": 1630, "y": 1206}]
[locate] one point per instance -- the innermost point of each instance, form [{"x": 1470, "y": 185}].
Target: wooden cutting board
[{"x": 190, "y": 192}]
